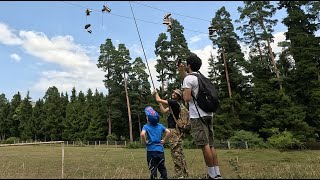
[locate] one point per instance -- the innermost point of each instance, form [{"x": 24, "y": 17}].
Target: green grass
[{"x": 119, "y": 163}]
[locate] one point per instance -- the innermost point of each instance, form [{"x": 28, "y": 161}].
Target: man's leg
[
  {"x": 209, "y": 121},
  {"x": 180, "y": 165},
  {"x": 200, "y": 132},
  {"x": 207, "y": 155}
]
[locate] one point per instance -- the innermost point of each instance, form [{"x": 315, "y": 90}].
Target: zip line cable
[
  {"x": 132, "y": 18},
  {"x": 142, "y": 45},
  {"x": 171, "y": 12}
]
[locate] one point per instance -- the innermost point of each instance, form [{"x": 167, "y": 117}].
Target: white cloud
[
  {"x": 278, "y": 37},
  {"x": 204, "y": 54},
  {"x": 197, "y": 38},
  {"x": 135, "y": 50},
  {"x": 7, "y": 36},
  {"x": 152, "y": 65},
  {"x": 81, "y": 79},
  {"x": 59, "y": 50},
  {"x": 77, "y": 66},
  {"x": 15, "y": 57}
]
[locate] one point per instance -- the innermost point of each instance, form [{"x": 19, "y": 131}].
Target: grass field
[{"x": 120, "y": 163}]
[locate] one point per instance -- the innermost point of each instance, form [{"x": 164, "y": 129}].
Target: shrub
[
  {"x": 283, "y": 140},
  {"x": 253, "y": 139},
  {"x": 112, "y": 137},
  {"x": 11, "y": 140},
  {"x": 188, "y": 142},
  {"x": 135, "y": 145}
]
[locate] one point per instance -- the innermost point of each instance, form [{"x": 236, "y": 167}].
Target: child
[{"x": 155, "y": 142}]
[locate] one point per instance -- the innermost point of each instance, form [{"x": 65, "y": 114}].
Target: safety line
[{"x": 142, "y": 45}]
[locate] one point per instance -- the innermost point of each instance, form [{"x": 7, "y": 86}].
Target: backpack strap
[
  {"x": 171, "y": 112},
  {"x": 193, "y": 98},
  {"x": 175, "y": 120}
]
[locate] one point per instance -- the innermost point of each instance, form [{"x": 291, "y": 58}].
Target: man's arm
[
  {"x": 182, "y": 71},
  {"x": 166, "y": 136},
  {"x": 161, "y": 102},
  {"x": 187, "y": 94},
  {"x": 143, "y": 136}
]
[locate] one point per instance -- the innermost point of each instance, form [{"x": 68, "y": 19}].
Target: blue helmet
[{"x": 153, "y": 116}]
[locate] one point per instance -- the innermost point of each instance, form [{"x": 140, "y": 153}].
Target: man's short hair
[{"x": 194, "y": 61}]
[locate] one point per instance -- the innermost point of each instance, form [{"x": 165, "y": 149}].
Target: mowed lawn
[{"x": 120, "y": 163}]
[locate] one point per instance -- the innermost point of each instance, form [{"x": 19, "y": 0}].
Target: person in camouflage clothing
[{"x": 180, "y": 165}]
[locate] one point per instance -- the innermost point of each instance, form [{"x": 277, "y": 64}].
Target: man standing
[
  {"x": 201, "y": 121},
  {"x": 180, "y": 165}
]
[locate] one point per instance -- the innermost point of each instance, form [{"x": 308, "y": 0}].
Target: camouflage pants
[{"x": 179, "y": 161}]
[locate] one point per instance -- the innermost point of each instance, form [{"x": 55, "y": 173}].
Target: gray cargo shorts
[{"x": 202, "y": 132}]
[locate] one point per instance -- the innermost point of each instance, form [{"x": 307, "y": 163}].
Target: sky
[{"x": 44, "y": 43}]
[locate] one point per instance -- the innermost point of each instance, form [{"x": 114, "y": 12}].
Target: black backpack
[{"x": 207, "y": 97}]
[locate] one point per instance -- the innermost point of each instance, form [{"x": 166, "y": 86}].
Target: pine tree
[
  {"x": 4, "y": 112},
  {"x": 302, "y": 22},
  {"x": 23, "y": 115},
  {"x": 233, "y": 85},
  {"x": 107, "y": 62},
  {"x": 140, "y": 94},
  {"x": 38, "y": 118},
  {"x": 13, "y": 123},
  {"x": 53, "y": 125}
]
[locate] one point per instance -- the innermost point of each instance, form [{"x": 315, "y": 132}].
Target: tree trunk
[
  {"x": 227, "y": 76},
  {"x": 109, "y": 123},
  {"x": 227, "y": 73},
  {"x": 271, "y": 54},
  {"x": 128, "y": 105},
  {"x": 258, "y": 44},
  {"x": 109, "y": 110}
]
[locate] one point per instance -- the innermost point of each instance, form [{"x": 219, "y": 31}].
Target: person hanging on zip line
[{"x": 177, "y": 154}]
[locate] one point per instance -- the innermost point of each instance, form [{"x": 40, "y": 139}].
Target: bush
[
  {"x": 112, "y": 137},
  {"x": 135, "y": 145},
  {"x": 11, "y": 140},
  {"x": 283, "y": 140},
  {"x": 188, "y": 142},
  {"x": 253, "y": 139}
]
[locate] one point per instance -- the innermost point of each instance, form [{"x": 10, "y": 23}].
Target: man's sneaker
[
  {"x": 87, "y": 26},
  {"x": 218, "y": 177},
  {"x": 166, "y": 16},
  {"x": 88, "y": 11},
  {"x": 167, "y": 22},
  {"x": 207, "y": 176},
  {"x": 105, "y": 8}
]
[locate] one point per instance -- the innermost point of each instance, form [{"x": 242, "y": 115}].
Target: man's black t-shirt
[{"x": 176, "y": 110}]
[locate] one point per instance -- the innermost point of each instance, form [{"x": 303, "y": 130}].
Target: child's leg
[
  {"x": 161, "y": 166},
  {"x": 152, "y": 164}
]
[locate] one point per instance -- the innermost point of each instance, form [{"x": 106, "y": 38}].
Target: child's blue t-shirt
[{"x": 154, "y": 134}]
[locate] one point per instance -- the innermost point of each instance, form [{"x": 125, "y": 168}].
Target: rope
[
  {"x": 142, "y": 45},
  {"x": 200, "y": 32},
  {"x": 171, "y": 12}
]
